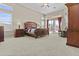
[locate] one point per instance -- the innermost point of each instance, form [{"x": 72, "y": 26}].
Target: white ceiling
[{"x": 44, "y": 10}]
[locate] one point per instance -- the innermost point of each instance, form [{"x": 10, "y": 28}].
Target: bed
[{"x": 32, "y": 30}]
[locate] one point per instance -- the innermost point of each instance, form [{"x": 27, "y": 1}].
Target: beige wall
[{"x": 22, "y": 14}]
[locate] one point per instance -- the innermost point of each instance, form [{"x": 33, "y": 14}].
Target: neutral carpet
[{"x": 51, "y": 45}]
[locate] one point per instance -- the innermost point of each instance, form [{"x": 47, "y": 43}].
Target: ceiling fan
[{"x": 45, "y": 5}]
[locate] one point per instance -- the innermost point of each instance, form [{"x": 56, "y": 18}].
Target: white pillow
[
  {"x": 32, "y": 30},
  {"x": 29, "y": 30}
]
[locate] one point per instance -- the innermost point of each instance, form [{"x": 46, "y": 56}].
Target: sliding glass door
[
  {"x": 53, "y": 25},
  {"x": 56, "y": 26},
  {"x": 50, "y": 25}
]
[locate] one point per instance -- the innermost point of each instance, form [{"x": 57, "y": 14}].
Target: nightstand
[{"x": 19, "y": 33}]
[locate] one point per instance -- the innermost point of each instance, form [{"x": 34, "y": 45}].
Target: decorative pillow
[
  {"x": 26, "y": 30},
  {"x": 29, "y": 30}
]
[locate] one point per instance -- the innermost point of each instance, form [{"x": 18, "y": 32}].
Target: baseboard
[{"x": 72, "y": 45}]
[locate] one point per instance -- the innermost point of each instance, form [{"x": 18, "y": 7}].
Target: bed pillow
[{"x": 33, "y": 30}]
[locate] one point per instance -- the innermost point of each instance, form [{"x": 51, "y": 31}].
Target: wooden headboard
[{"x": 30, "y": 25}]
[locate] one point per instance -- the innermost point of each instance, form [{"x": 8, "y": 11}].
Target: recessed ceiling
[{"x": 44, "y": 10}]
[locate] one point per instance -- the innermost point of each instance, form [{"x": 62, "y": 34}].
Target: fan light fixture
[{"x": 45, "y": 5}]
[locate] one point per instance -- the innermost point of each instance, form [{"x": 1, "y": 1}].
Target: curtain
[
  {"x": 48, "y": 25},
  {"x": 59, "y": 20}
]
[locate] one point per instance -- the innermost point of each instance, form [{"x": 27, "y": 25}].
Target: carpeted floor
[{"x": 51, "y": 45}]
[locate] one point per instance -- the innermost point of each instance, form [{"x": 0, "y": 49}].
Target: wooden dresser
[
  {"x": 19, "y": 33},
  {"x": 1, "y": 33},
  {"x": 73, "y": 24}
]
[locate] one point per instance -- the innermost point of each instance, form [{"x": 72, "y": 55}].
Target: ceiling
[{"x": 44, "y": 10}]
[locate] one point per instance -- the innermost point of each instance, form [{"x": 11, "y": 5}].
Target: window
[
  {"x": 42, "y": 24},
  {"x": 56, "y": 25},
  {"x": 6, "y": 16},
  {"x": 6, "y": 7},
  {"x": 50, "y": 25}
]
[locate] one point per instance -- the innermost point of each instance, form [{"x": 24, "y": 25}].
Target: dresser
[
  {"x": 1, "y": 33},
  {"x": 19, "y": 33}
]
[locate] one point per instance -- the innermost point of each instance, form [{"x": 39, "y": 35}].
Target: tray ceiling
[{"x": 44, "y": 10}]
